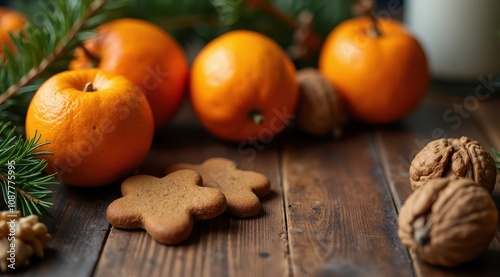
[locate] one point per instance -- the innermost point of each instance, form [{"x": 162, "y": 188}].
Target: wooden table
[{"x": 332, "y": 211}]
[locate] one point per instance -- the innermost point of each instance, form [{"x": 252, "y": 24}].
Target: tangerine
[
  {"x": 243, "y": 87},
  {"x": 10, "y": 21},
  {"x": 146, "y": 55},
  {"x": 382, "y": 76},
  {"x": 99, "y": 125}
]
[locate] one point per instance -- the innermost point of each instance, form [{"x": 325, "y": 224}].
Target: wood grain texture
[
  {"x": 488, "y": 118},
  {"x": 332, "y": 212},
  {"x": 223, "y": 246},
  {"x": 340, "y": 213},
  {"x": 79, "y": 228},
  {"x": 399, "y": 144}
]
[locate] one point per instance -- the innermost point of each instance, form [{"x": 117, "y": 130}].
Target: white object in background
[{"x": 461, "y": 38}]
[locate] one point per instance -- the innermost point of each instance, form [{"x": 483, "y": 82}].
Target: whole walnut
[
  {"x": 448, "y": 222},
  {"x": 453, "y": 158},
  {"x": 319, "y": 110}
]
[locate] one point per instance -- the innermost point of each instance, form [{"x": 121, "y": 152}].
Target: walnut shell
[
  {"x": 453, "y": 158},
  {"x": 319, "y": 111},
  {"x": 448, "y": 222}
]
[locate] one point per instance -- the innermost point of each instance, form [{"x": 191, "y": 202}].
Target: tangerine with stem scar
[
  {"x": 243, "y": 87},
  {"x": 379, "y": 70},
  {"x": 99, "y": 125}
]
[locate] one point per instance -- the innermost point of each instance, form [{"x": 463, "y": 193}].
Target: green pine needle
[
  {"x": 22, "y": 181},
  {"x": 229, "y": 11},
  {"x": 497, "y": 157},
  {"x": 45, "y": 46}
]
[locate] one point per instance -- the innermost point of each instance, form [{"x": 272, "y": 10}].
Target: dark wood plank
[
  {"x": 398, "y": 144},
  {"x": 79, "y": 229},
  {"x": 488, "y": 118},
  {"x": 223, "y": 246},
  {"x": 340, "y": 213}
]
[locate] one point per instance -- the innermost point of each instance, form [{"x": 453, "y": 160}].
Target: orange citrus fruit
[
  {"x": 381, "y": 78},
  {"x": 243, "y": 87},
  {"x": 10, "y": 21},
  {"x": 146, "y": 55},
  {"x": 99, "y": 125}
]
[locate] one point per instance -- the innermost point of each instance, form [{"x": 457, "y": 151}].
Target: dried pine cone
[
  {"x": 448, "y": 222},
  {"x": 26, "y": 234},
  {"x": 453, "y": 158}
]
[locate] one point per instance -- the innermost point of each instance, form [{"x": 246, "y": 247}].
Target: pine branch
[
  {"x": 60, "y": 47},
  {"x": 193, "y": 19},
  {"x": 43, "y": 49},
  {"x": 497, "y": 157},
  {"x": 229, "y": 11},
  {"x": 274, "y": 12},
  {"x": 22, "y": 181}
]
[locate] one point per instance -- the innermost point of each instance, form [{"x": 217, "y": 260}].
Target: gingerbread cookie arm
[
  {"x": 129, "y": 186},
  {"x": 180, "y": 166},
  {"x": 260, "y": 184},
  {"x": 168, "y": 231},
  {"x": 123, "y": 213},
  {"x": 242, "y": 203},
  {"x": 209, "y": 203}
]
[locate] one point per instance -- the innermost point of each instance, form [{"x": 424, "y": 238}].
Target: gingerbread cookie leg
[
  {"x": 165, "y": 207},
  {"x": 242, "y": 188}
]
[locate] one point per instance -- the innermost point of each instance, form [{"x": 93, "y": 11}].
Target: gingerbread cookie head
[
  {"x": 242, "y": 188},
  {"x": 165, "y": 207}
]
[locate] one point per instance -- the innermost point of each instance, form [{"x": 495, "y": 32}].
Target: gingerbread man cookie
[
  {"x": 165, "y": 207},
  {"x": 242, "y": 188}
]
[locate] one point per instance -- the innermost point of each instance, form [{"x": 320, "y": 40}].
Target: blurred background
[{"x": 461, "y": 38}]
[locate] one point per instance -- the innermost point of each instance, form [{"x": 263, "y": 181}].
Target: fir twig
[
  {"x": 45, "y": 48},
  {"x": 274, "y": 12},
  {"x": 22, "y": 181},
  {"x": 229, "y": 11},
  {"x": 497, "y": 157},
  {"x": 60, "y": 47}
]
